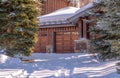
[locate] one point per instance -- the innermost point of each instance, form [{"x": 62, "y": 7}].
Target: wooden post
[
  {"x": 84, "y": 29},
  {"x": 80, "y": 30},
  {"x": 54, "y": 41}
]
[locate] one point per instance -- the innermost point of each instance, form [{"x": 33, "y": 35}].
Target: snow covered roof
[
  {"x": 58, "y": 17},
  {"x": 81, "y": 12},
  {"x": 65, "y": 16},
  {"x": 84, "y": 10}
]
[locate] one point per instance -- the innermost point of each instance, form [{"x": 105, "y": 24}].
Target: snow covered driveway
[
  {"x": 76, "y": 65},
  {"x": 12, "y": 73}
]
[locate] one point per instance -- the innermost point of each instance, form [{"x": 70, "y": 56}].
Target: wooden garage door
[{"x": 65, "y": 41}]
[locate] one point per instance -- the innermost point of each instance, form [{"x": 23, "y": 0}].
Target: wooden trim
[
  {"x": 82, "y": 31},
  {"x": 47, "y": 38},
  {"x": 83, "y": 11},
  {"x": 54, "y": 41},
  {"x": 51, "y": 26}
]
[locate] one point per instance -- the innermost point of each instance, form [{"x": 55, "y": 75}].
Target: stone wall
[{"x": 81, "y": 45}]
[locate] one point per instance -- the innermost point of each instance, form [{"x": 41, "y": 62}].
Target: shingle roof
[
  {"x": 84, "y": 10},
  {"x": 81, "y": 12},
  {"x": 59, "y": 16}
]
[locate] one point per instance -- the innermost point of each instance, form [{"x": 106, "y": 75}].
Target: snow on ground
[{"x": 75, "y": 65}]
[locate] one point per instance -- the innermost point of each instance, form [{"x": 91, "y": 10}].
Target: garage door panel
[
  {"x": 67, "y": 48},
  {"x": 66, "y": 37},
  {"x": 68, "y": 51},
  {"x": 59, "y": 38},
  {"x": 59, "y": 42},
  {"x": 65, "y": 42},
  {"x": 75, "y": 37}
]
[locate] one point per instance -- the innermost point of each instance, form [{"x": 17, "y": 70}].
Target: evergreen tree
[
  {"x": 18, "y": 25},
  {"x": 106, "y": 33}
]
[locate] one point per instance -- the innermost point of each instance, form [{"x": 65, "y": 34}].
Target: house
[
  {"x": 63, "y": 23},
  {"x": 52, "y": 5}
]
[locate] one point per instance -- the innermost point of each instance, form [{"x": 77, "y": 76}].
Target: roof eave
[
  {"x": 56, "y": 25},
  {"x": 82, "y": 12}
]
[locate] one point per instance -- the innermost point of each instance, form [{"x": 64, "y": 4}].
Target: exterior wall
[
  {"x": 52, "y": 5},
  {"x": 49, "y": 38}
]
